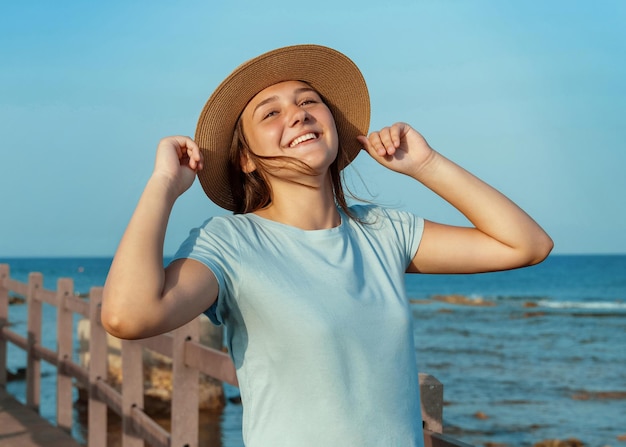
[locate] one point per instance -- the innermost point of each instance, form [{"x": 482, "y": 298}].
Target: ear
[{"x": 247, "y": 165}]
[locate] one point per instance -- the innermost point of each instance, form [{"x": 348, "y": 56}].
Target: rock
[
  {"x": 419, "y": 301},
  {"x": 571, "y": 442},
  {"x": 158, "y": 371},
  {"x": 463, "y": 300},
  {"x": 19, "y": 374},
  {"x": 533, "y": 314},
  {"x": 599, "y": 395},
  {"x": 14, "y": 299}
]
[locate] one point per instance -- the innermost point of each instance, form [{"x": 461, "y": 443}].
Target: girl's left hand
[{"x": 398, "y": 147}]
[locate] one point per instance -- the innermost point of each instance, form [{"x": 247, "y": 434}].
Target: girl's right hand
[
  {"x": 178, "y": 160},
  {"x": 164, "y": 299}
]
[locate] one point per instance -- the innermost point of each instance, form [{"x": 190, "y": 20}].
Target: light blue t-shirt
[{"x": 318, "y": 326}]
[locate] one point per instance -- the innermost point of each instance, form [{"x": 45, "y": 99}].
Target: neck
[{"x": 304, "y": 207}]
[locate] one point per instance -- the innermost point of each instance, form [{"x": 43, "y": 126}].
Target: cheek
[
  {"x": 334, "y": 134},
  {"x": 262, "y": 140}
]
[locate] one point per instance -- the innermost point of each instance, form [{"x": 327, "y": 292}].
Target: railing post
[
  {"x": 185, "y": 389},
  {"x": 4, "y": 320},
  {"x": 431, "y": 395},
  {"x": 132, "y": 390},
  {"x": 33, "y": 364},
  {"x": 65, "y": 329},
  {"x": 98, "y": 351}
]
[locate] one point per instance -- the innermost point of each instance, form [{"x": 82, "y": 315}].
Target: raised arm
[
  {"x": 141, "y": 298},
  {"x": 503, "y": 237}
]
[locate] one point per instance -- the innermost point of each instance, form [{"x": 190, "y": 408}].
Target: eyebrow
[{"x": 275, "y": 97}]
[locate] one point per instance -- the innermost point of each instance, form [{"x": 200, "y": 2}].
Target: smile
[{"x": 303, "y": 138}]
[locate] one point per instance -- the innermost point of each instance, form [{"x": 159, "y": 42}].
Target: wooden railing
[{"x": 189, "y": 359}]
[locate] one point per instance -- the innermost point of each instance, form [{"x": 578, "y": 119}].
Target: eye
[
  {"x": 307, "y": 101},
  {"x": 270, "y": 114}
]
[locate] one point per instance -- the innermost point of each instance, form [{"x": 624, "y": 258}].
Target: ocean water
[{"x": 544, "y": 359}]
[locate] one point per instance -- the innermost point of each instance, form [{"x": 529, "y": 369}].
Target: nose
[{"x": 298, "y": 115}]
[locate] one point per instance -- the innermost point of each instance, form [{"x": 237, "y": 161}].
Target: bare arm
[
  {"x": 503, "y": 236},
  {"x": 141, "y": 298}
]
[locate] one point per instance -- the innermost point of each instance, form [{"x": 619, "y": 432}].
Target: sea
[{"x": 524, "y": 356}]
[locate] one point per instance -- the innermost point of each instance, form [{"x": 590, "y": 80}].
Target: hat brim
[{"x": 332, "y": 74}]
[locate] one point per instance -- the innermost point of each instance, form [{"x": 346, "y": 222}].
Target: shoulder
[
  {"x": 221, "y": 232},
  {"x": 219, "y": 240},
  {"x": 374, "y": 214},
  {"x": 394, "y": 231},
  {"x": 387, "y": 222},
  {"x": 227, "y": 223}
]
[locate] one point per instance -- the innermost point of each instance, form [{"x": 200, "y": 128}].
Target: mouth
[{"x": 302, "y": 138}]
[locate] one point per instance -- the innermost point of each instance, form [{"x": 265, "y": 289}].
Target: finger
[
  {"x": 364, "y": 142},
  {"x": 195, "y": 155},
  {"x": 187, "y": 150},
  {"x": 195, "y": 160},
  {"x": 376, "y": 144},
  {"x": 387, "y": 140},
  {"x": 396, "y": 134},
  {"x": 383, "y": 142},
  {"x": 198, "y": 162},
  {"x": 373, "y": 145},
  {"x": 367, "y": 145}
]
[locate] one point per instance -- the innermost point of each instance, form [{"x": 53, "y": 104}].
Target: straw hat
[{"x": 329, "y": 72}]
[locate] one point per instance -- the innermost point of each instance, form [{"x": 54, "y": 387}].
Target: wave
[{"x": 607, "y": 305}]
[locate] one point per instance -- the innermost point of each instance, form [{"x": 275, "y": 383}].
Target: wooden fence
[{"x": 189, "y": 359}]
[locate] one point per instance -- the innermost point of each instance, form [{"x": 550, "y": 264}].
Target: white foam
[{"x": 608, "y": 305}]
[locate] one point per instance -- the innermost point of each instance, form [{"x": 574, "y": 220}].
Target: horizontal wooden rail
[
  {"x": 189, "y": 358},
  {"x": 433, "y": 439},
  {"x": 77, "y": 306},
  {"x": 106, "y": 394},
  {"x": 148, "y": 429},
  {"x": 71, "y": 369},
  {"x": 161, "y": 344},
  {"x": 16, "y": 339},
  {"x": 211, "y": 362},
  {"x": 41, "y": 353},
  {"x": 19, "y": 288},
  {"x": 46, "y": 296}
]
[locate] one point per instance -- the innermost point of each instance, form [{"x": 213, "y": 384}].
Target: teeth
[{"x": 308, "y": 136}]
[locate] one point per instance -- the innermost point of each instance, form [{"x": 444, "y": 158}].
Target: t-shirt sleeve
[
  {"x": 408, "y": 230},
  {"x": 401, "y": 228},
  {"x": 217, "y": 254}
]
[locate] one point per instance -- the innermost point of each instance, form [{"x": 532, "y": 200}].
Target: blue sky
[{"x": 530, "y": 96}]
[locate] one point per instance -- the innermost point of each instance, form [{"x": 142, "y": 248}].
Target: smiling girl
[{"x": 311, "y": 290}]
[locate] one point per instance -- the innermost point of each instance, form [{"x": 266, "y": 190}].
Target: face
[{"x": 290, "y": 119}]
